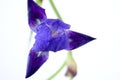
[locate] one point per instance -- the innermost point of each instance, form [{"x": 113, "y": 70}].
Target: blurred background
[{"x": 97, "y": 60}]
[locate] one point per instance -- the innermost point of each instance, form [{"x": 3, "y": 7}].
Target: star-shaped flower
[{"x": 51, "y": 35}]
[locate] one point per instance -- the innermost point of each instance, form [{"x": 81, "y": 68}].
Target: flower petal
[
  {"x": 56, "y": 24},
  {"x": 57, "y": 27},
  {"x": 78, "y": 39},
  {"x": 36, "y": 14},
  {"x": 35, "y": 61},
  {"x": 51, "y": 36},
  {"x": 43, "y": 36},
  {"x": 58, "y": 43}
]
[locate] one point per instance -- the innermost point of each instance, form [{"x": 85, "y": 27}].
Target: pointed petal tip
[
  {"x": 35, "y": 61},
  {"x": 27, "y": 76},
  {"x": 78, "y": 39},
  {"x": 29, "y": 73},
  {"x": 91, "y": 38}
]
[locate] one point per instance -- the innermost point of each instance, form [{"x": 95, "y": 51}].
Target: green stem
[
  {"x": 55, "y": 9},
  {"x": 71, "y": 78},
  {"x": 69, "y": 54},
  {"x": 63, "y": 65},
  {"x": 30, "y": 38},
  {"x": 39, "y": 2}
]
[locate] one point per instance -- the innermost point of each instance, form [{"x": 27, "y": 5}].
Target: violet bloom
[{"x": 51, "y": 35}]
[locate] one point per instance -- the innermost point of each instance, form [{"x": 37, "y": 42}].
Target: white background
[{"x": 97, "y": 60}]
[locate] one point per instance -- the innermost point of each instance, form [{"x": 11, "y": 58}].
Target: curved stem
[
  {"x": 39, "y": 2},
  {"x": 63, "y": 65},
  {"x": 55, "y": 9},
  {"x": 71, "y": 78},
  {"x": 69, "y": 53},
  {"x": 30, "y": 36}
]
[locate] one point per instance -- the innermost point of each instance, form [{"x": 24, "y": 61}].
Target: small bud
[{"x": 71, "y": 66}]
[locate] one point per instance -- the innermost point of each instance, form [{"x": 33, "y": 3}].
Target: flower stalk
[
  {"x": 30, "y": 37},
  {"x": 62, "y": 66},
  {"x": 55, "y": 9},
  {"x": 39, "y": 2},
  {"x": 71, "y": 78}
]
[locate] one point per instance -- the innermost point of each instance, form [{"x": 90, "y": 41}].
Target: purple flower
[{"x": 51, "y": 35}]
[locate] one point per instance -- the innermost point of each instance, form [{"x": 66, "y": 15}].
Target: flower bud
[{"x": 71, "y": 66}]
